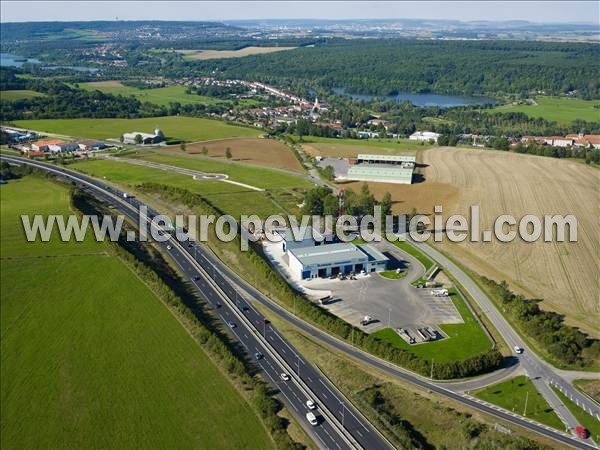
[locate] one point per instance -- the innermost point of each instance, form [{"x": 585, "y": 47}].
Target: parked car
[{"x": 582, "y": 432}]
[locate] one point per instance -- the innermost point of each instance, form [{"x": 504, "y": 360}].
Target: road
[
  {"x": 341, "y": 425},
  {"x": 541, "y": 373},
  {"x": 323, "y": 392}
]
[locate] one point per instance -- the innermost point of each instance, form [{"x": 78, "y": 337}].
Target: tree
[
  {"x": 386, "y": 204},
  {"x": 204, "y": 150},
  {"x": 228, "y": 153},
  {"x": 302, "y": 128},
  {"x": 138, "y": 139},
  {"x": 183, "y": 147},
  {"x": 329, "y": 173}
]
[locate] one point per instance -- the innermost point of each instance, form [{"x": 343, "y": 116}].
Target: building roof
[
  {"x": 90, "y": 142},
  {"x": 133, "y": 134},
  {"x": 387, "y": 158},
  {"x": 372, "y": 253},
  {"x": 378, "y": 173},
  {"x": 48, "y": 142},
  {"x": 343, "y": 252},
  {"x": 303, "y": 234}
]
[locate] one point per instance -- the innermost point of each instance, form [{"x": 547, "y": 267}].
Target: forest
[{"x": 386, "y": 67}]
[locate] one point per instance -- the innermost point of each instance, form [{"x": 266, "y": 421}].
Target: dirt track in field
[
  {"x": 264, "y": 152},
  {"x": 564, "y": 274}
]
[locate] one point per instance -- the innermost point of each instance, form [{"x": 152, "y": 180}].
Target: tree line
[{"x": 566, "y": 344}]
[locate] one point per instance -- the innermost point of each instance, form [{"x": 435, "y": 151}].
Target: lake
[
  {"x": 443, "y": 101},
  {"x": 9, "y": 60}
]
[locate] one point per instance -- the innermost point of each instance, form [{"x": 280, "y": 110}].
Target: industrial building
[
  {"x": 382, "y": 168},
  {"x": 333, "y": 259},
  {"x": 380, "y": 174},
  {"x": 313, "y": 254}
]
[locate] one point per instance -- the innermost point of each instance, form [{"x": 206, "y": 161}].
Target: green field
[
  {"x": 584, "y": 418},
  {"x": 511, "y": 395},
  {"x": 159, "y": 96},
  {"x": 559, "y": 109},
  {"x": 175, "y": 127},
  {"x": 256, "y": 176},
  {"x": 350, "y": 147},
  {"x": 19, "y": 94},
  {"x": 229, "y": 198},
  {"x": 90, "y": 358},
  {"x": 464, "y": 340}
]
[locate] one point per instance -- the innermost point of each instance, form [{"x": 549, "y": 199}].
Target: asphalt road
[
  {"x": 323, "y": 392},
  {"x": 542, "y": 373},
  {"x": 340, "y": 426}
]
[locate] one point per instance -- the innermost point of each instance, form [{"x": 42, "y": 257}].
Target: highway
[
  {"x": 340, "y": 426},
  {"x": 344, "y": 425}
]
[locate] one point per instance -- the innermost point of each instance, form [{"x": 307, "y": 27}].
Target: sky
[{"x": 534, "y": 11}]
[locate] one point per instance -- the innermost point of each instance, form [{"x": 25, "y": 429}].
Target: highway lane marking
[{"x": 348, "y": 409}]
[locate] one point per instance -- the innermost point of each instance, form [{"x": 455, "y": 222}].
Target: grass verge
[
  {"x": 520, "y": 395},
  {"x": 584, "y": 418}
]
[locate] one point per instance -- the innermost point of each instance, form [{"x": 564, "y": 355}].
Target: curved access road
[{"x": 541, "y": 373}]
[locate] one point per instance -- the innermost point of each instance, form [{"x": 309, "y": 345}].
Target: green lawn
[
  {"x": 511, "y": 395},
  {"x": 174, "y": 127},
  {"x": 423, "y": 259},
  {"x": 559, "y": 109},
  {"x": 464, "y": 340},
  {"x": 19, "y": 94},
  {"x": 584, "y": 418},
  {"x": 90, "y": 358},
  {"x": 229, "y": 198},
  {"x": 392, "y": 274}
]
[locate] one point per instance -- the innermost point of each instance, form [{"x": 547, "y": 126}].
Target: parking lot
[{"x": 390, "y": 303}]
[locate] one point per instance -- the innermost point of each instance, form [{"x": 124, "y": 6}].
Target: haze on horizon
[{"x": 532, "y": 11}]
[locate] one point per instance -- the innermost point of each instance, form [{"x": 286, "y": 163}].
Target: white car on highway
[
  {"x": 285, "y": 377},
  {"x": 518, "y": 350},
  {"x": 310, "y": 404},
  {"x": 312, "y": 419}
]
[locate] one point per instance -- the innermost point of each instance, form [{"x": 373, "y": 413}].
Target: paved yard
[{"x": 391, "y": 303}]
